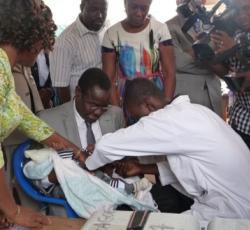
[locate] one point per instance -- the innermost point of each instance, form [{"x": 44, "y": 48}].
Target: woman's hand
[
  {"x": 81, "y": 155},
  {"x": 222, "y": 41},
  {"x": 4, "y": 223},
  {"x": 28, "y": 218},
  {"x": 58, "y": 142}
]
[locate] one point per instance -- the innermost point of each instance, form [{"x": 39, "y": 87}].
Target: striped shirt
[{"x": 75, "y": 50}]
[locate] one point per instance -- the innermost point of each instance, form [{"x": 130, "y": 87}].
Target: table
[{"x": 64, "y": 223}]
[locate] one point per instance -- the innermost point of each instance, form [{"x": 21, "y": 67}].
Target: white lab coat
[{"x": 205, "y": 156}]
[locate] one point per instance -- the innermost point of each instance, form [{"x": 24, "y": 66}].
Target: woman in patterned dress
[
  {"x": 138, "y": 47},
  {"x": 26, "y": 27}
]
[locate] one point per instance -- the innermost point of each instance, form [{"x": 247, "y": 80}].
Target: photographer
[
  {"x": 193, "y": 78},
  {"x": 240, "y": 112}
]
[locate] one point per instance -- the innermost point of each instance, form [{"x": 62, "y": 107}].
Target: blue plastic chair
[{"x": 28, "y": 188}]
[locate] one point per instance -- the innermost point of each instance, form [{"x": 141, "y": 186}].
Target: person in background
[
  {"x": 89, "y": 107},
  {"x": 205, "y": 158},
  {"x": 138, "y": 46},
  {"x": 193, "y": 78},
  {"x": 239, "y": 114},
  {"x": 26, "y": 27},
  {"x": 41, "y": 75},
  {"x": 77, "y": 48},
  {"x": 86, "y": 118}
]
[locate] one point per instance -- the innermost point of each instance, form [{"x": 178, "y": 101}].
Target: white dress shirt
[
  {"x": 206, "y": 157},
  {"x": 82, "y": 129},
  {"x": 43, "y": 69}
]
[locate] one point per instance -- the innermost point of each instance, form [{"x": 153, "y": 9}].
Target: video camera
[{"x": 193, "y": 11}]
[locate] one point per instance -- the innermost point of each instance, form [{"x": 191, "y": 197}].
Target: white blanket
[{"x": 84, "y": 192}]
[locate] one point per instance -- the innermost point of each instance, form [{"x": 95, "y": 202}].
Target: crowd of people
[{"x": 133, "y": 98}]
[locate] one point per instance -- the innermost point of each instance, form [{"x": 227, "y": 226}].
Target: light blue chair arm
[{"x": 28, "y": 188}]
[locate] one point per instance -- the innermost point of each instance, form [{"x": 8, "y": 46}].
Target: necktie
[{"x": 90, "y": 134}]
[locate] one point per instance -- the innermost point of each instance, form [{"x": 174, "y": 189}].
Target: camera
[{"x": 193, "y": 12}]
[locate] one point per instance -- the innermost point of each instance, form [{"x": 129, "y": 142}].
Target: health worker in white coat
[{"x": 206, "y": 159}]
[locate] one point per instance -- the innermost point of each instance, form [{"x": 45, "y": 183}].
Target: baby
[{"x": 48, "y": 184}]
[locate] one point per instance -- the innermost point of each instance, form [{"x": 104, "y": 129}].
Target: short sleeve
[
  {"x": 162, "y": 32},
  {"x": 31, "y": 125},
  {"x": 108, "y": 40}
]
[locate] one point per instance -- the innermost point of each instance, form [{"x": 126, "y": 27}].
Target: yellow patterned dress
[{"x": 13, "y": 112}]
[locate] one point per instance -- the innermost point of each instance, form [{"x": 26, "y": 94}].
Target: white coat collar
[{"x": 179, "y": 100}]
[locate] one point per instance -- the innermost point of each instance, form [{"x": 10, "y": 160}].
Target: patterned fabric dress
[
  {"x": 13, "y": 112},
  {"x": 137, "y": 53}
]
